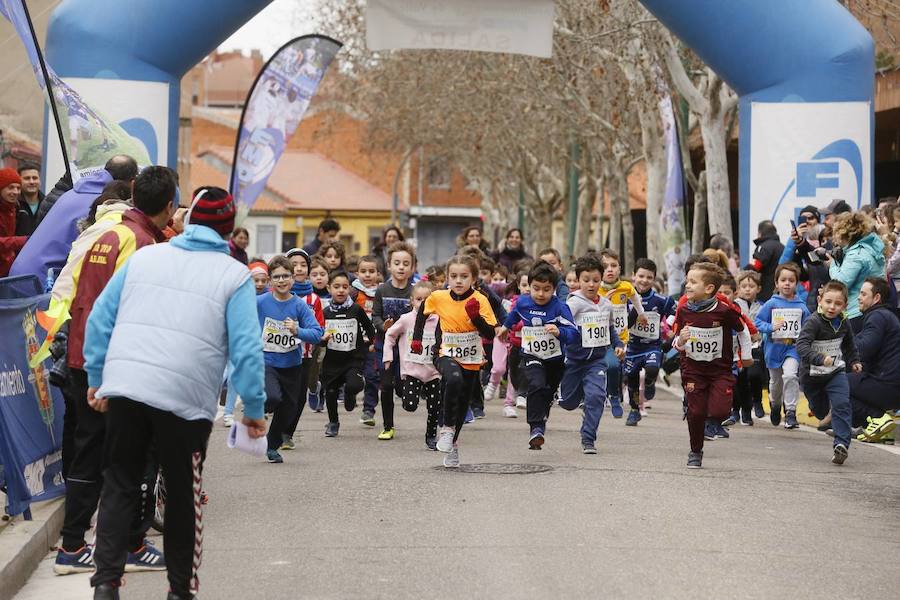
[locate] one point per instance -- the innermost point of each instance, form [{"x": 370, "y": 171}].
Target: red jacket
[
  {"x": 109, "y": 252},
  {"x": 10, "y": 243}
]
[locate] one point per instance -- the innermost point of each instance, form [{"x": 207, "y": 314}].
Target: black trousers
[
  {"x": 70, "y": 423},
  {"x": 460, "y": 386},
  {"x": 283, "y": 390},
  {"x": 389, "y": 380},
  {"x": 413, "y": 390},
  {"x": 338, "y": 376},
  {"x": 871, "y": 396},
  {"x": 542, "y": 378},
  {"x": 85, "y": 478},
  {"x": 305, "y": 368},
  {"x": 742, "y": 395},
  {"x": 133, "y": 428}
]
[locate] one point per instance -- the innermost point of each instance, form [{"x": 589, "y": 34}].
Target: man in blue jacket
[
  {"x": 875, "y": 392},
  {"x": 156, "y": 345},
  {"x": 49, "y": 245}
]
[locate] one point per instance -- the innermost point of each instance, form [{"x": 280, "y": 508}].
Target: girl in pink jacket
[{"x": 419, "y": 378}]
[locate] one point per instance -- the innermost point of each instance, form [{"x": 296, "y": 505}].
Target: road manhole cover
[{"x": 502, "y": 469}]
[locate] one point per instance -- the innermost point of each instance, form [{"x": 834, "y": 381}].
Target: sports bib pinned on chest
[
  {"x": 830, "y": 348},
  {"x": 343, "y": 334},
  {"x": 620, "y": 316},
  {"x": 594, "y": 329},
  {"x": 425, "y": 357},
  {"x": 650, "y": 331},
  {"x": 276, "y": 337},
  {"x": 536, "y": 341},
  {"x": 786, "y": 323},
  {"x": 705, "y": 343},
  {"x": 464, "y": 348}
]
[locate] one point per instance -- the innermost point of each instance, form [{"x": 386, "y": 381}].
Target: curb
[{"x": 24, "y": 544}]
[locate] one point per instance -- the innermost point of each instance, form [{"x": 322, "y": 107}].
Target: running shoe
[
  {"x": 331, "y": 429},
  {"x": 314, "y": 399},
  {"x": 521, "y": 402},
  {"x": 80, "y": 561},
  {"x": 274, "y": 457},
  {"x": 510, "y": 412},
  {"x": 695, "y": 460},
  {"x": 633, "y": 417},
  {"x": 775, "y": 414},
  {"x": 588, "y": 448},
  {"x": 616, "y": 408},
  {"x": 431, "y": 443},
  {"x": 536, "y": 440},
  {"x": 106, "y": 591},
  {"x": 758, "y": 410},
  {"x": 731, "y": 420},
  {"x": 840, "y": 454},
  {"x": 387, "y": 434},
  {"x": 490, "y": 391},
  {"x": 367, "y": 418},
  {"x": 721, "y": 432},
  {"x": 878, "y": 429},
  {"x": 146, "y": 558},
  {"x": 349, "y": 403},
  {"x": 790, "y": 420},
  {"x": 478, "y": 413},
  {"x": 470, "y": 416},
  {"x": 451, "y": 461},
  {"x": 227, "y": 421},
  {"x": 287, "y": 444},
  {"x": 445, "y": 440},
  {"x": 709, "y": 431}
]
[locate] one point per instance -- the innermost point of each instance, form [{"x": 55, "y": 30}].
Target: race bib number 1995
[{"x": 537, "y": 342}]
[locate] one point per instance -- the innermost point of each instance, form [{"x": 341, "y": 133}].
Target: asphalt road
[{"x": 768, "y": 516}]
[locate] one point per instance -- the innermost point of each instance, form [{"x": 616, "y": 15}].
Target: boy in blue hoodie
[
  {"x": 548, "y": 328},
  {"x": 585, "y": 372},
  {"x": 780, "y": 320},
  {"x": 283, "y": 318}
]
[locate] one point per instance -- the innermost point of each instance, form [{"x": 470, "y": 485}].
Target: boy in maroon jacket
[{"x": 704, "y": 326}]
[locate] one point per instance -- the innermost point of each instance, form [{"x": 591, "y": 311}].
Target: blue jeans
[
  {"x": 835, "y": 394},
  {"x": 613, "y": 376},
  {"x": 231, "y": 393},
  {"x": 585, "y": 380}
]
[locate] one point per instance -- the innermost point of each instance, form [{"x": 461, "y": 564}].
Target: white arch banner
[{"x": 508, "y": 26}]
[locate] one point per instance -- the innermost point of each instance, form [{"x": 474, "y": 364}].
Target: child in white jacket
[{"x": 419, "y": 377}]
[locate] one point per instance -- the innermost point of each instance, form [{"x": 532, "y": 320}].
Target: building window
[
  {"x": 439, "y": 172},
  {"x": 265, "y": 239},
  {"x": 288, "y": 241}
]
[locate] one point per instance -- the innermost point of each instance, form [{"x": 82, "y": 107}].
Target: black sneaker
[
  {"x": 732, "y": 419},
  {"x": 758, "y": 410},
  {"x": 790, "y": 420},
  {"x": 478, "y": 412},
  {"x": 431, "y": 443},
  {"x": 106, "y": 591},
  {"x": 709, "y": 431},
  {"x": 840, "y": 454},
  {"x": 775, "y": 415},
  {"x": 331, "y": 429},
  {"x": 349, "y": 403},
  {"x": 695, "y": 460},
  {"x": 588, "y": 448}
]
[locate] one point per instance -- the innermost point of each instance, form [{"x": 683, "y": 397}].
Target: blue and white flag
[{"x": 274, "y": 108}]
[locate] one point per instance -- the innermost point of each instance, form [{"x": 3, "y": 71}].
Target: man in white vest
[{"x": 156, "y": 344}]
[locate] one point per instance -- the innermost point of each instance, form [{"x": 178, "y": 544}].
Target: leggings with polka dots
[{"x": 413, "y": 390}]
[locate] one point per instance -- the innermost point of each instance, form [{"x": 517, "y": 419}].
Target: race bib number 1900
[
  {"x": 465, "y": 348},
  {"x": 537, "y": 342},
  {"x": 594, "y": 330},
  {"x": 278, "y": 338},
  {"x": 705, "y": 343}
]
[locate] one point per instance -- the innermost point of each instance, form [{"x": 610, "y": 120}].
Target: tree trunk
[
  {"x": 656, "y": 188},
  {"x": 615, "y": 215},
  {"x": 698, "y": 232},
  {"x": 540, "y": 226},
  {"x": 627, "y": 228},
  {"x": 713, "y": 130}
]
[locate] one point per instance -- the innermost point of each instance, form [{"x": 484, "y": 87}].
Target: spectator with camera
[{"x": 807, "y": 247}]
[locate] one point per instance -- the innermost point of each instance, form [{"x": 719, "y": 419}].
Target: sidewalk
[{"x": 23, "y": 544}]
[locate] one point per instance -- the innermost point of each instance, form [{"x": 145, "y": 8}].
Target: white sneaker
[
  {"x": 490, "y": 392},
  {"x": 228, "y": 421},
  {"x": 445, "y": 440},
  {"x": 510, "y": 412},
  {"x": 521, "y": 402},
  {"x": 451, "y": 461}
]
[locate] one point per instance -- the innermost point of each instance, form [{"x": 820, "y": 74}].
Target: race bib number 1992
[{"x": 705, "y": 343}]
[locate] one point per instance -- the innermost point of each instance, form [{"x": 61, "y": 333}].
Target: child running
[
  {"x": 283, "y": 318},
  {"x": 347, "y": 329},
  {"x": 644, "y": 338},
  {"x": 704, "y": 327},
  {"x": 363, "y": 292},
  {"x": 826, "y": 347},
  {"x": 781, "y": 318},
  {"x": 749, "y": 387},
  {"x": 419, "y": 378},
  {"x": 547, "y": 328},
  {"x": 464, "y": 317},
  {"x": 585, "y": 375},
  {"x": 318, "y": 276}
]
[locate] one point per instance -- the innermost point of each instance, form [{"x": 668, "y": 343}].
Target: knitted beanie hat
[
  {"x": 8, "y": 177},
  {"x": 214, "y": 208}
]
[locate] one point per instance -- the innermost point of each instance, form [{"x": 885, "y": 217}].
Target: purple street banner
[
  {"x": 31, "y": 410},
  {"x": 274, "y": 108},
  {"x": 673, "y": 239},
  {"x": 87, "y": 138}
]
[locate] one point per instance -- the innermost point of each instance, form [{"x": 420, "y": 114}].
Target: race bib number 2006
[{"x": 278, "y": 338}]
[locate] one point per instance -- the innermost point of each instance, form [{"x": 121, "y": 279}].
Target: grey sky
[{"x": 273, "y": 26}]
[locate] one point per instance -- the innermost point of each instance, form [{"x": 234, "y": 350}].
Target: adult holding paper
[{"x": 164, "y": 394}]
